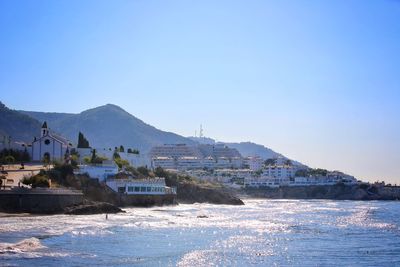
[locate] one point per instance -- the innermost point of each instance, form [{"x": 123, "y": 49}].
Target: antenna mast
[{"x": 201, "y": 131}]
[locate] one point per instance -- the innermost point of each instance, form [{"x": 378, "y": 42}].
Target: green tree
[
  {"x": 116, "y": 155},
  {"x": 121, "y": 148},
  {"x": 133, "y": 151},
  {"x": 38, "y": 180},
  {"x": 46, "y": 160},
  {"x": 302, "y": 173},
  {"x": 82, "y": 141},
  {"x": 96, "y": 159},
  {"x": 19, "y": 155},
  {"x": 9, "y": 159},
  {"x": 160, "y": 172},
  {"x": 74, "y": 160},
  {"x": 143, "y": 170},
  {"x": 87, "y": 160},
  {"x": 94, "y": 156},
  {"x": 270, "y": 162}
]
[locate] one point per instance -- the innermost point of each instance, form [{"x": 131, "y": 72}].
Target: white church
[{"x": 50, "y": 146}]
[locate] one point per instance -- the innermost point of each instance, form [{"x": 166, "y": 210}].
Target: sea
[{"x": 262, "y": 232}]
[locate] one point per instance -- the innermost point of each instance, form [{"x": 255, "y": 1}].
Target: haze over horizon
[{"x": 315, "y": 81}]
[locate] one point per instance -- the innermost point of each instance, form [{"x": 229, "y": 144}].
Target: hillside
[
  {"x": 19, "y": 126},
  {"x": 245, "y": 148},
  {"x": 251, "y": 149},
  {"x": 108, "y": 126}
]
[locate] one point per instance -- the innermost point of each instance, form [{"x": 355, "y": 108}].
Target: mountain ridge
[
  {"x": 20, "y": 127},
  {"x": 108, "y": 126}
]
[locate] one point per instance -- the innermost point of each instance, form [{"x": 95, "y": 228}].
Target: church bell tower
[{"x": 45, "y": 130}]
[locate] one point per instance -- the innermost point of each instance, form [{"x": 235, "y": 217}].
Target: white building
[
  {"x": 282, "y": 171},
  {"x": 188, "y": 157},
  {"x": 174, "y": 151},
  {"x": 222, "y": 163},
  {"x": 167, "y": 163},
  {"x": 262, "y": 182},
  {"x": 50, "y": 146},
  {"x": 99, "y": 171},
  {"x": 152, "y": 186},
  {"x": 189, "y": 163},
  {"x": 276, "y": 181},
  {"x": 209, "y": 163},
  {"x": 236, "y": 162},
  {"x": 254, "y": 163}
]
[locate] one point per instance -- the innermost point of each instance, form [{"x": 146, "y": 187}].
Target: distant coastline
[{"x": 333, "y": 192}]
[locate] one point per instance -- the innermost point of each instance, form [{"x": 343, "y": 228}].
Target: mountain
[
  {"x": 20, "y": 127},
  {"x": 108, "y": 126}
]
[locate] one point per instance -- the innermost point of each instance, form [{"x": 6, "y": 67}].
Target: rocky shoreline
[{"x": 334, "y": 192}]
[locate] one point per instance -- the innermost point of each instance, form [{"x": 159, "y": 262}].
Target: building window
[
  {"x": 142, "y": 189},
  {"x": 137, "y": 189},
  {"x": 130, "y": 189},
  {"x": 47, "y": 142}
]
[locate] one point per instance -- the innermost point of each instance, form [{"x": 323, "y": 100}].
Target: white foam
[{"x": 26, "y": 245}]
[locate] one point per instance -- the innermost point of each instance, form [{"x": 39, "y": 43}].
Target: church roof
[
  {"x": 44, "y": 125},
  {"x": 59, "y": 138}
]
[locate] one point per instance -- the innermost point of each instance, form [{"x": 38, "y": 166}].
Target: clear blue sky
[{"x": 318, "y": 81}]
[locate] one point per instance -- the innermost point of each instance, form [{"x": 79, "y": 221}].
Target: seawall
[
  {"x": 147, "y": 200},
  {"x": 39, "y": 201}
]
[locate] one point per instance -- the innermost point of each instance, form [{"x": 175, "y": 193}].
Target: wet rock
[{"x": 92, "y": 208}]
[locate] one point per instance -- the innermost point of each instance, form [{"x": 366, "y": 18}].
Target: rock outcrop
[
  {"x": 191, "y": 193},
  {"x": 91, "y": 207}
]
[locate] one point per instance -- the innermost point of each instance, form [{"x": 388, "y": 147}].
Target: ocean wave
[{"x": 26, "y": 245}]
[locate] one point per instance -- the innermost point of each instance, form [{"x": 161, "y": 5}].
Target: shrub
[
  {"x": 38, "y": 180},
  {"x": 121, "y": 162},
  {"x": 143, "y": 170},
  {"x": 132, "y": 170}
]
